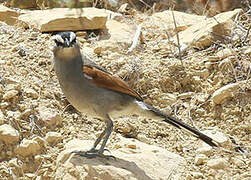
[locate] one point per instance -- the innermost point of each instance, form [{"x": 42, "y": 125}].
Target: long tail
[{"x": 177, "y": 123}]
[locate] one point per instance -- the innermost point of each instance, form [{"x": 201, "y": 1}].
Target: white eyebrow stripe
[
  {"x": 58, "y": 38},
  {"x": 72, "y": 36}
]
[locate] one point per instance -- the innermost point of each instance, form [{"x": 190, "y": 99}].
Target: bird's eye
[
  {"x": 58, "y": 43},
  {"x": 58, "y": 40},
  {"x": 73, "y": 41}
]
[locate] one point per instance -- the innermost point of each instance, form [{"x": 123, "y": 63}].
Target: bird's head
[
  {"x": 66, "y": 46},
  {"x": 65, "y": 39}
]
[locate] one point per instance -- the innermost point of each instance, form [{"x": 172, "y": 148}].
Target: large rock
[
  {"x": 134, "y": 160},
  {"x": 205, "y": 32},
  {"x": 120, "y": 32},
  {"x": 116, "y": 35},
  {"x": 8, "y": 134},
  {"x": 65, "y": 19},
  {"x": 7, "y": 15},
  {"x": 225, "y": 92},
  {"x": 183, "y": 20}
]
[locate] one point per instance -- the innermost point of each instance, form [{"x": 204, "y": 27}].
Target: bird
[{"x": 97, "y": 92}]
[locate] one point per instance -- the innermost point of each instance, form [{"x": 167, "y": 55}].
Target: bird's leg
[
  {"x": 109, "y": 128},
  {"x": 93, "y": 152},
  {"x": 98, "y": 140}
]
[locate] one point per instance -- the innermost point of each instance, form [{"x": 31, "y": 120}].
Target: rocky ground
[{"x": 209, "y": 89}]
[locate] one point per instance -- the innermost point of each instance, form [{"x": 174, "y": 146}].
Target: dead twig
[
  {"x": 177, "y": 36},
  {"x": 33, "y": 124},
  {"x": 147, "y": 5},
  {"x": 135, "y": 39},
  {"x": 247, "y": 34}
]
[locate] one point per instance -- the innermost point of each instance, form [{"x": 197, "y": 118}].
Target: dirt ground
[{"x": 26, "y": 63}]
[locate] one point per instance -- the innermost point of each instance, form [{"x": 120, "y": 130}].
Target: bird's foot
[{"x": 94, "y": 153}]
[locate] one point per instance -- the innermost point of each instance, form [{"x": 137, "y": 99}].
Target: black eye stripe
[
  {"x": 66, "y": 37},
  {"x": 58, "y": 43}
]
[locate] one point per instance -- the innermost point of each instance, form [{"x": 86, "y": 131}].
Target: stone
[
  {"x": 197, "y": 175},
  {"x": 116, "y": 35},
  {"x": 132, "y": 146},
  {"x": 41, "y": 141},
  {"x": 2, "y": 118},
  {"x": 202, "y": 73},
  {"x": 246, "y": 175},
  {"x": 247, "y": 51},
  {"x": 226, "y": 64},
  {"x": 10, "y": 94},
  {"x": 219, "y": 163},
  {"x": 15, "y": 166},
  {"x": 143, "y": 138},
  {"x": 200, "y": 159},
  {"x": 129, "y": 163},
  {"x": 26, "y": 113},
  {"x": 28, "y": 148},
  {"x": 4, "y": 105},
  {"x": 13, "y": 86},
  {"x": 65, "y": 19},
  {"x": 11, "y": 80},
  {"x": 30, "y": 175},
  {"x": 207, "y": 31},
  {"x": 8, "y": 134},
  {"x": 120, "y": 32},
  {"x": 13, "y": 163},
  {"x": 183, "y": 20},
  {"x": 50, "y": 118},
  {"x": 113, "y": 3},
  {"x": 168, "y": 98},
  {"x": 238, "y": 162},
  {"x": 123, "y": 8},
  {"x": 7, "y": 15},
  {"x": 206, "y": 149},
  {"x": 218, "y": 136},
  {"x": 186, "y": 95},
  {"x": 12, "y": 114},
  {"x": 31, "y": 93},
  {"x": 224, "y": 53},
  {"x": 1, "y": 86},
  {"x": 53, "y": 137},
  {"x": 225, "y": 92},
  {"x": 81, "y": 33}
]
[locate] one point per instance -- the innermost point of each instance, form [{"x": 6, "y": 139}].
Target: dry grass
[{"x": 148, "y": 70}]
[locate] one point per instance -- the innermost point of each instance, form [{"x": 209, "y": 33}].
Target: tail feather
[{"x": 178, "y": 124}]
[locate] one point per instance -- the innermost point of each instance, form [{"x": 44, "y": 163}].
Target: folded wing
[{"x": 106, "y": 80}]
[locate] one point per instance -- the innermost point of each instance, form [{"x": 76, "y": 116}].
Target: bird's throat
[{"x": 66, "y": 54}]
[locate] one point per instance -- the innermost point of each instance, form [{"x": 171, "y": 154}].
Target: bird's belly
[
  {"x": 84, "y": 105},
  {"x": 93, "y": 101}
]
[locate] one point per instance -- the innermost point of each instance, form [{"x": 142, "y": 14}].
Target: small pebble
[
  {"x": 10, "y": 94},
  {"x": 219, "y": 163}
]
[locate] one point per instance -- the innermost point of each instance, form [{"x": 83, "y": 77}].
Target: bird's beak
[{"x": 67, "y": 43}]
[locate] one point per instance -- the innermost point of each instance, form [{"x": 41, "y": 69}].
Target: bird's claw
[
  {"x": 107, "y": 150},
  {"x": 93, "y": 153}
]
